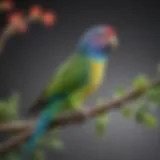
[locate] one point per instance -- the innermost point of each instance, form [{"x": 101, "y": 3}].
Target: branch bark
[{"x": 27, "y": 128}]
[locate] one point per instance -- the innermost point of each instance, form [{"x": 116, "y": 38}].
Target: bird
[{"x": 74, "y": 80}]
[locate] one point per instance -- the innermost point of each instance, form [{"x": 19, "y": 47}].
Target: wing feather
[{"x": 68, "y": 77}]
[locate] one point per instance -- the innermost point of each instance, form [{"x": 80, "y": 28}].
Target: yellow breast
[
  {"x": 97, "y": 72},
  {"x": 96, "y": 77}
]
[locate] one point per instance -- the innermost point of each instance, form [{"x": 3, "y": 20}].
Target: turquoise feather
[{"x": 44, "y": 122}]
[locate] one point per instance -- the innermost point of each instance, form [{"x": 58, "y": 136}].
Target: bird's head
[{"x": 101, "y": 37}]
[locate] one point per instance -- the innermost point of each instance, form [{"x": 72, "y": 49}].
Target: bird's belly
[
  {"x": 96, "y": 76},
  {"x": 97, "y": 72}
]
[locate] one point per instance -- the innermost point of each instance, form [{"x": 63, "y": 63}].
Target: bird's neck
[{"x": 94, "y": 53}]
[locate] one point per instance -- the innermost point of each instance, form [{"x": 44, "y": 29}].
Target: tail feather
[{"x": 42, "y": 126}]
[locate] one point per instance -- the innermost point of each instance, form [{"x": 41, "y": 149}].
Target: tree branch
[
  {"x": 27, "y": 128},
  {"x": 12, "y": 29},
  {"x": 8, "y": 31}
]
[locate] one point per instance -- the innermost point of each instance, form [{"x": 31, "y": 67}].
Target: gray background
[{"x": 29, "y": 60}]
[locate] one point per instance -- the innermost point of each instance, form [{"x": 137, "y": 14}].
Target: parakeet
[{"x": 75, "y": 79}]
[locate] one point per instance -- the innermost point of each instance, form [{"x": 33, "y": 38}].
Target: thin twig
[
  {"x": 12, "y": 29},
  {"x": 27, "y": 129}
]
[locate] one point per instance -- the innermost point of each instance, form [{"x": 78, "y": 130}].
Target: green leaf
[
  {"x": 102, "y": 122},
  {"x": 120, "y": 91},
  {"x": 140, "y": 82},
  {"x": 140, "y": 115},
  {"x": 3, "y": 157},
  {"x": 127, "y": 112},
  {"x": 3, "y": 111},
  {"x": 13, "y": 102},
  {"x": 39, "y": 154},
  {"x": 50, "y": 140},
  {"x": 14, "y": 99},
  {"x": 9, "y": 108},
  {"x": 153, "y": 94},
  {"x": 12, "y": 156},
  {"x": 144, "y": 117},
  {"x": 57, "y": 144},
  {"x": 2, "y": 104},
  {"x": 150, "y": 120}
]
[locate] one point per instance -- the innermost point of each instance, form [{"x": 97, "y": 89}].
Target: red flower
[
  {"x": 49, "y": 18},
  {"x": 35, "y": 11},
  {"x": 17, "y": 19},
  {"x": 7, "y": 5}
]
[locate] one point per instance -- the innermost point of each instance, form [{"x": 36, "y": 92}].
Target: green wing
[{"x": 69, "y": 76}]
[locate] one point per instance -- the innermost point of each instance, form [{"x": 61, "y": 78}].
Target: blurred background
[{"x": 29, "y": 59}]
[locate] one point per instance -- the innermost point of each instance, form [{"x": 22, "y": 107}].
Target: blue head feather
[{"x": 93, "y": 50}]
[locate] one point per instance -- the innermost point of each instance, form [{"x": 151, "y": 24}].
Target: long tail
[{"x": 43, "y": 123}]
